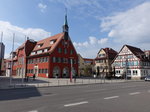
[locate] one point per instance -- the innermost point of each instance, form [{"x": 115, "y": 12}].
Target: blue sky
[{"x": 94, "y": 24}]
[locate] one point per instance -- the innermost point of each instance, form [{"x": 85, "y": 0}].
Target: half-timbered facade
[{"x": 131, "y": 62}]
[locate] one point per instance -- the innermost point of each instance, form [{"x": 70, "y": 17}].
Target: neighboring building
[
  {"x": 86, "y": 66},
  {"x": 2, "y": 49},
  {"x": 147, "y": 53},
  {"x": 103, "y": 62},
  {"x": 131, "y": 62},
  {"x": 54, "y": 56},
  {"x": 3, "y": 67}
]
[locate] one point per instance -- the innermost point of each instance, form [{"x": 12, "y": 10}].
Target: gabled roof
[
  {"x": 136, "y": 51},
  {"x": 45, "y": 43},
  {"x": 109, "y": 52}
]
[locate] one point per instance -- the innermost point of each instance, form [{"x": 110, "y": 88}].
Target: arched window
[{"x": 56, "y": 71}]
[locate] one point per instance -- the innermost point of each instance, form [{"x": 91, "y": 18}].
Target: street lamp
[
  {"x": 71, "y": 60},
  {"x": 125, "y": 67}
]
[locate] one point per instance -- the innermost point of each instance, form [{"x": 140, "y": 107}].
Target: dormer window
[
  {"x": 40, "y": 51},
  {"x": 33, "y": 53},
  {"x": 39, "y": 45},
  {"x": 52, "y": 41},
  {"x": 45, "y": 50}
]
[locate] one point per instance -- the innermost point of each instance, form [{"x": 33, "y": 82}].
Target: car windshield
[{"x": 148, "y": 76}]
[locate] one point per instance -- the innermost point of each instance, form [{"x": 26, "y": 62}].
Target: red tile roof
[
  {"x": 109, "y": 52},
  {"x": 46, "y": 42},
  {"x": 137, "y": 52}
]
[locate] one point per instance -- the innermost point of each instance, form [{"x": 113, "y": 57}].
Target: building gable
[{"x": 125, "y": 50}]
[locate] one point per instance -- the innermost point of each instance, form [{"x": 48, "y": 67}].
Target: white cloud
[
  {"x": 8, "y": 29},
  {"x": 42, "y": 7},
  {"x": 130, "y": 27},
  {"x": 74, "y": 3},
  {"x": 103, "y": 41},
  {"x": 90, "y": 47}
]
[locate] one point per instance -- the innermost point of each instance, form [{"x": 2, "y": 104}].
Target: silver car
[{"x": 147, "y": 78}]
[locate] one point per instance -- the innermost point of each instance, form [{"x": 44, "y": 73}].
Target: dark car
[{"x": 147, "y": 78}]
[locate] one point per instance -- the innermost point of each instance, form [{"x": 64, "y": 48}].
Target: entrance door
[
  {"x": 36, "y": 71},
  {"x": 65, "y": 72},
  {"x": 56, "y": 72}
]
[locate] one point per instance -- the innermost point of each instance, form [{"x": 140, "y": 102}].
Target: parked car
[{"x": 147, "y": 78}]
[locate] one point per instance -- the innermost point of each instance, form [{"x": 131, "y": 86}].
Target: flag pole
[{"x": 12, "y": 60}]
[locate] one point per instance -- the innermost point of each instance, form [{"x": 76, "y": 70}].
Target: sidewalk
[{"x": 46, "y": 82}]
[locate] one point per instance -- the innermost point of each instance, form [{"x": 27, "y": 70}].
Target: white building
[{"x": 131, "y": 62}]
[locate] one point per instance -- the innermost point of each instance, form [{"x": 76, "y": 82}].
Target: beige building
[
  {"x": 103, "y": 62},
  {"x": 86, "y": 66}
]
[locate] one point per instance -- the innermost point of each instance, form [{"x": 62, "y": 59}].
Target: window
[
  {"x": 34, "y": 60},
  {"x": 46, "y": 59},
  {"x": 39, "y": 45},
  {"x": 65, "y": 60},
  {"x": 117, "y": 71},
  {"x": 101, "y": 55},
  {"x": 45, "y": 50},
  {"x": 40, "y": 51},
  {"x": 42, "y": 59},
  {"x": 59, "y": 60},
  {"x": 74, "y": 61},
  {"x": 135, "y": 72},
  {"x": 135, "y": 63},
  {"x": 33, "y": 53},
  {"x": 52, "y": 42},
  {"x": 71, "y": 51},
  {"x": 65, "y": 51},
  {"x": 54, "y": 59},
  {"x": 39, "y": 71},
  {"x": 59, "y": 50},
  {"x": 45, "y": 71},
  {"x": 129, "y": 72},
  {"x": 101, "y": 61}
]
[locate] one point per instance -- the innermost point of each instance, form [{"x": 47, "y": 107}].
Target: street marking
[
  {"x": 95, "y": 90},
  {"x": 49, "y": 94},
  {"x": 74, "y": 104},
  {"x": 33, "y": 111},
  {"x": 135, "y": 93},
  {"x": 112, "y": 97}
]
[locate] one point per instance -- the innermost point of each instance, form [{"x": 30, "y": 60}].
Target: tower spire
[
  {"x": 65, "y": 26},
  {"x": 66, "y": 22}
]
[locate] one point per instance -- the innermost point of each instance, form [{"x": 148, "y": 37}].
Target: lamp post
[
  {"x": 71, "y": 70},
  {"x": 125, "y": 67}
]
